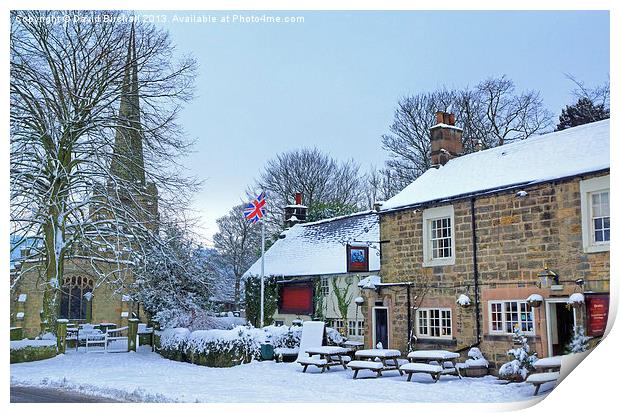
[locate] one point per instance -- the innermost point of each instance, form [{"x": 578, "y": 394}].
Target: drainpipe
[
  {"x": 474, "y": 243},
  {"x": 409, "y": 317}
]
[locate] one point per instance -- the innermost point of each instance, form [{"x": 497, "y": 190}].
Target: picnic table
[
  {"x": 433, "y": 362},
  {"x": 366, "y": 360},
  {"x": 353, "y": 344},
  {"x": 549, "y": 368},
  {"x": 333, "y": 356}
]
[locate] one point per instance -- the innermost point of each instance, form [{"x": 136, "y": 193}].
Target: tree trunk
[{"x": 53, "y": 236}]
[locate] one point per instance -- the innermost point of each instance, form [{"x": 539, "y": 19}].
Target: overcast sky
[{"x": 333, "y": 80}]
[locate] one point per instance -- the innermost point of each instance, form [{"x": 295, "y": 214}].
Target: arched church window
[{"x": 72, "y": 302}]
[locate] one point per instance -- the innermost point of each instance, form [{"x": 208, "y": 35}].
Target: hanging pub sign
[
  {"x": 597, "y": 308},
  {"x": 357, "y": 258}
]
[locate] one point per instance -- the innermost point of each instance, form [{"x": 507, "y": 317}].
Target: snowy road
[
  {"x": 146, "y": 376},
  {"x": 43, "y": 395}
]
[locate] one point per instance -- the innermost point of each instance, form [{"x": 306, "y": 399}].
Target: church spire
[{"x": 127, "y": 157}]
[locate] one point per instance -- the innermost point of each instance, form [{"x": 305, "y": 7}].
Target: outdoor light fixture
[{"x": 547, "y": 278}]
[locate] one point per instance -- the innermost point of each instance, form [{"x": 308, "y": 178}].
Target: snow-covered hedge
[
  {"x": 197, "y": 320},
  {"x": 226, "y": 348},
  {"x": 31, "y": 350}
]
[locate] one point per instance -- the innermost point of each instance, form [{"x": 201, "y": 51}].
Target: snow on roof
[
  {"x": 319, "y": 248},
  {"x": 556, "y": 155}
]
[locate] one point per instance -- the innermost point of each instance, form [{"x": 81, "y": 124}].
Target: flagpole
[{"x": 262, "y": 275}]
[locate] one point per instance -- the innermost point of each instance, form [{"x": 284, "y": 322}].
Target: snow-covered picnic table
[
  {"x": 549, "y": 371},
  {"x": 433, "y": 362},
  {"x": 333, "y": 356},
  {"x": 366, "y": 360}
]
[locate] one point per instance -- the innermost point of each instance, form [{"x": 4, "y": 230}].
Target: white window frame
[
  {"x": 428, "y": 325},
  {"x": 587, "y": 187},
  {"x": 503, "y": 331},
  {"x": 433, "y": 214}
]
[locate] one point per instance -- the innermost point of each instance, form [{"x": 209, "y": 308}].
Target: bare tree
[
  {"x": 320, "y": 178},
  {"x": 491, "y": 114},
  {"x": 408, "y": 143},
  {"x": 94, "y": 146},
  {"x": 381, "y": 185},
  {"x": 238, "y": 242}
]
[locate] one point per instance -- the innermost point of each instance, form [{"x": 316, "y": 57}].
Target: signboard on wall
[
  {"x": 597, "y": 309},
  {"x": 296, "y": 298},
  {"x": 357, "y": 259}
]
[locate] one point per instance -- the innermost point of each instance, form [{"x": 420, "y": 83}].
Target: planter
[{"x": 476, "y": 371}]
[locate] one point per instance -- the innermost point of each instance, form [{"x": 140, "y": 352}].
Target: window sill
[
  {"x": 588, "y": 249},
  {"x": 439, "y": 262},
  {"x": 437, "y": 340}
]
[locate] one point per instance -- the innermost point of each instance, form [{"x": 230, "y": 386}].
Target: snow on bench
[
  {"x": 285, "y": 351},
  {"x": 433, "y": 354},
  {"x": 377, "y": 353},
  {"x": 434, "y": 370},
  {"x": 538, "y": 379},
  {"x": 554, "y": 362},
  {"x": 311, "y": 361},
  {"x": 357, "y": 365},
  {"x": 331, "y": 350}
]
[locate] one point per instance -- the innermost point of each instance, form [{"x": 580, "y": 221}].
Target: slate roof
[{"x": 319, "y": 248}]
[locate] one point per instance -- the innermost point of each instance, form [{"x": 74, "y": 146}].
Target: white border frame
[
  {"x": 586, "y": 188},
  {"x": 548, "y": 303},
  {"x": 374, "y": 325},
  {"x": 446, "y": 211},
  {"x": 505, "y": 333},
  {"x": 417, "y": 323}
]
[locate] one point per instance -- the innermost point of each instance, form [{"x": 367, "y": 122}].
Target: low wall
[{"x": 32, "y": 350}]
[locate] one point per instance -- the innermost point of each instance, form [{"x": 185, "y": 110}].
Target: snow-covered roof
[
  {"x": 556, "y": 155},
  {"x": 319, "y": 248}
]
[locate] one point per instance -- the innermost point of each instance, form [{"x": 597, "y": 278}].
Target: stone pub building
[{"x": 516, "y": 234}]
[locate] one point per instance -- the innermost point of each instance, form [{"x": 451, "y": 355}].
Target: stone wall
[
  {"x": 516, "y": 238},
  {"x": 107, "y": 304}
]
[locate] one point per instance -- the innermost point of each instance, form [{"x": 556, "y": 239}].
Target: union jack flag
[{"x": 254, "y": 211}]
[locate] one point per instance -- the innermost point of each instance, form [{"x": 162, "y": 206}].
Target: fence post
[
  {"x": 132, "y": 334},
  {"x": 61, "y": 335}
]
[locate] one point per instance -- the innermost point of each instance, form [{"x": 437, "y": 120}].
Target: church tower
[{"x": 127, "y": 180}]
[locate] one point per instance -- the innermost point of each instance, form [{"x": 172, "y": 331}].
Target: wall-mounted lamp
[{"x": 547, "y": 278}]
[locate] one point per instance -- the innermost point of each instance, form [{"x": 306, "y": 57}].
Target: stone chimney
[
  {"x": 295, "y": 213},
  {"x": 446, "y": 139}
]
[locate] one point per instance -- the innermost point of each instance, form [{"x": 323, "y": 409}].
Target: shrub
[
  {"x": 226, "y": 348},
  {"x": 579, "y": 341},
  {"x": 523, "y": 359},
  {"x": 32, "y": 350}
]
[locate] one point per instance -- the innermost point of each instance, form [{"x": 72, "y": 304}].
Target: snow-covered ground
[{"x": 146, "y": 376}]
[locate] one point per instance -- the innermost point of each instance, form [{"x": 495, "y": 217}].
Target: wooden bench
[
  {"x": 432, "y": 369},
  {"x": 310, "y": 361},
  {"x": 538, "y": 379},
  {"x": 357, "y": 365}
]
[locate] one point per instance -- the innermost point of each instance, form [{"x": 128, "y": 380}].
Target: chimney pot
[
  {"x": 446, "y": 139},
  {"x": 439, "y": 117}
]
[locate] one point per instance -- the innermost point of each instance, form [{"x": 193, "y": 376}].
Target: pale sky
[{"x": 333, "y": 81}]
